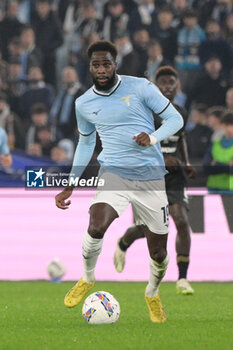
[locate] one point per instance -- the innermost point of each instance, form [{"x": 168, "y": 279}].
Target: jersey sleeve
[
  {"x": 173, "y": 122},
  {"x": 85, "y": 128},
  {"x": 82, "y": 156},
  {"x": 4, "y": 148},
  {"x": 184, "y": 115},
  {"x": 153, "y": 98}
]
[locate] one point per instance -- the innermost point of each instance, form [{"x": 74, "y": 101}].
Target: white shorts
[{"x": 148, "y": 200}]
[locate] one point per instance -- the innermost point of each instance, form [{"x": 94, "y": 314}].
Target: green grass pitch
[{"x": 33, "y": 317}]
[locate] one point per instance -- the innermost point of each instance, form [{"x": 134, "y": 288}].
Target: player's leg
[
  {"x": 101, "y": 216},
  {"x": 183, "y": 242},
  {"x": 132, "y": 234},
  {"x": 105, "y": 207},
  {"x": 150, "y": 209},
  {"x": 157, "y": 245}
]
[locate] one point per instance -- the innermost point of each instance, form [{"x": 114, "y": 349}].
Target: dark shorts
[{"x": 176, "y": 189}]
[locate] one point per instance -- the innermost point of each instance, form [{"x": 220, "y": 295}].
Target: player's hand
[
  {"x": 6, "y": 160},
  {"x": 191, "y": 172},
  {"x": 171, "y": 163},
  {"x": 142, "y": 139},
  {"x": 60, "y": 198}
]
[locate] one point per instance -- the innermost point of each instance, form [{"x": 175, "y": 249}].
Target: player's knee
[
  {"x": 97, "y": 229},
  {"x": 158, "y": 254}
]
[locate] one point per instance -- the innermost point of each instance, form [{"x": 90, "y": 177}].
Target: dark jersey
[
  {"x": 176, "y": 179},
  {"x": 169, "y": 145}
]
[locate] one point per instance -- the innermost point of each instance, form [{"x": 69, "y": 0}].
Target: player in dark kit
[{"x": 176, "y": 160}]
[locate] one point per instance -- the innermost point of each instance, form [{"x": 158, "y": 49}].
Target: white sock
[
  {"x": 91, "y": 249},
  {"x": 157, "y": 272}
]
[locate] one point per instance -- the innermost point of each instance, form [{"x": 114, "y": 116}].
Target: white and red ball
[{"x": 101, "y": 308}]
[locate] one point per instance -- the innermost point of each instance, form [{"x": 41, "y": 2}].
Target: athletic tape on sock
[{"x": 91, "y": 246}]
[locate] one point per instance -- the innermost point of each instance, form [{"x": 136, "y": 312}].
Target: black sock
[
  {"x": 123, "y": 245},
  {"x": 183, "y": 263}
]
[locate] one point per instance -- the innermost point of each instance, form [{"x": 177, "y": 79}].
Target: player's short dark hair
[
  {"x": 166, "y": 70},
  {"x": 217, "y": 111},
  {"x": 227, "y": 118},
  {"x": 102, "y": 45},
  {"x": 38, "y": 108}
]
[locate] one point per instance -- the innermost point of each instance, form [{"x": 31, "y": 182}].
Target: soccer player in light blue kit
[
  {"x": 120, "y": 109},
  {"x": 5, "y": 156}
]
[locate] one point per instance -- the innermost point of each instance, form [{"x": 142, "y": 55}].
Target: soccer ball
[
  {"x": 101, "y": 307},
  {"x": 56, "y": 269}
]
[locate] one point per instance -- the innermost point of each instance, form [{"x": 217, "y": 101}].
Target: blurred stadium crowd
[{"x": 44, "y": 66}]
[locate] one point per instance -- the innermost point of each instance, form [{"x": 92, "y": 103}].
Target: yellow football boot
[
  {"x": 156, "y": 311},
  {"x": 77, "y": 293}
]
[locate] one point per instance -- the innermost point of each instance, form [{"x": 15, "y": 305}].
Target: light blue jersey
[
  {"x": 117, "y": 116},
  {"x": 4, "y": 148}
]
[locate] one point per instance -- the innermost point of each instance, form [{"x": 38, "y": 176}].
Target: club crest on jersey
[
  {"x": 127, "y": 99},
  {"x": 106, "y": 303}
]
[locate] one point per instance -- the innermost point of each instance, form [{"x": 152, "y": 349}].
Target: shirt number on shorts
[{"x": 165, "y": 214}]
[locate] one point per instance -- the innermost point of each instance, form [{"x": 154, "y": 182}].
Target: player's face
[
  {"x": 103, "y": 70},
  {"x": 167, "y": 84}
]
